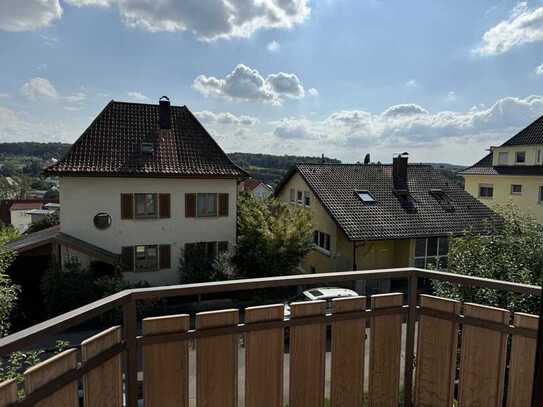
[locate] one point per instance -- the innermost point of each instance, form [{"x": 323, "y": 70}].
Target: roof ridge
[{"x": 144, "y": 104}]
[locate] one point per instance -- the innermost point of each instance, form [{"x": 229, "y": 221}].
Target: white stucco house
[
  {"x": 141, "y": 185},
  {"x": 256, "y": 188}
]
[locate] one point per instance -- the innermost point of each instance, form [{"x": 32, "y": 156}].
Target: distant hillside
[
  {"x": 14, "y": 157},
  {"x": 271, "y": 168}
]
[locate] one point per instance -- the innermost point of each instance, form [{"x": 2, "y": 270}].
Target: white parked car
[{"x": 322, "y": 293}]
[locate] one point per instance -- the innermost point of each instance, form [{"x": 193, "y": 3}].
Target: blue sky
[{"x": 440, "y": 79}]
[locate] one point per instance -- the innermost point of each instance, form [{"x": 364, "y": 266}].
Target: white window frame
[
  {"x": 146, "y": 258},
  {"x": 487, "y": 186},
  {"x": 205, "y": 211},
  {"x": 438, "y": 257},
  {"x": 501, "y": 156},
  {"x": 321, "y": 244},
  {"x": 516, "y": 192},
  {"x": 538, "y": 156},
  {"x": 540, "y": 194},
  {"x": 299, "y": 197},
  {"x": 146, "y": 212},
  {"x": 307, "y": 199}
]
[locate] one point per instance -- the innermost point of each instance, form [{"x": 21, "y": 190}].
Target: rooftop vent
[
  {"x": 164, "y": 116},
  {"x": 147, "y": 148},
  {"x": 443, "y": 199}
]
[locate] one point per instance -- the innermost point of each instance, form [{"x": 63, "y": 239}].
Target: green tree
[
  {"x": 513, "y": 251},
  {"x": 273, "y": 237},
  {"x": 46, "y": 222},
  {"x": 8, "y": 291}
]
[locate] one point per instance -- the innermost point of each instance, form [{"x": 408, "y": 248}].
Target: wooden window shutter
[
  {"x": 190, "y": 205},
  {"x": 223, "y": 204},
  {"x": 164, "y": 205},
  {"x": 127, "y": 258},
  {"x": 165, "y": 256},
  {"x": 127, "y": 206}
]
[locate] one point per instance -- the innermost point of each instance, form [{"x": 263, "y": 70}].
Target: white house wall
[{"x": 84, "y": 197}]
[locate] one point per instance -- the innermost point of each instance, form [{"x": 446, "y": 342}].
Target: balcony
[{"x": 400, "y": 348}]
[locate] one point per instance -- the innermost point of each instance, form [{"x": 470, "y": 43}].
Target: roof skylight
[{"x": 365, "y": 196}]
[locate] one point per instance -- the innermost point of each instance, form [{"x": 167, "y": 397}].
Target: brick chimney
[
  {"x": 399, "y": 172},
  {"x": 164, "y": 116}
]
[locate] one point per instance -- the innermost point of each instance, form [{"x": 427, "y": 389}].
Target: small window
[
  {"x": 432, "y": 253},
  {"x": 516, "y": 189},
  {"x": 292, "y": 195},
  {"x": 538, "y": 156},
  {"x": 307, "y": 199},
  {"x": 365, "y": 196},
  {"x": 503, "y": 158},
  {"x": 146, "y": 205},
  {"x": 147, "y": 148},
  {"x": 540, "y": 197},
  {"x": 146, "y": 258},
  {"x": 520, "y": 156},
  {"x": 299, "y": 197},
  {"x": 321, "y": 240},
  {"x": 206, "y": 205},
  {"x": 486, "y": 190}
]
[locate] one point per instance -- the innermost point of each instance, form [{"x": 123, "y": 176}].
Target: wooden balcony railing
[{"x": 449, "y": 351}]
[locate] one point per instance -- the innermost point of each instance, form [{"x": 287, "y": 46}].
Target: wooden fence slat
[
  {"x": 436, "y": 354},
  {"x": 264, "y": 358},
  {"x": 166, "y": 365},
  {"x": 307, "y": 357},
  {"x": 103, "y": 385},
  {"x": 385, "y": 352},
  {"x": 8, "y": 392},
  {"x": 483, "y": 358},
  {"x": 521, "y": 371},
  {"x": 217, "y": 361},
  {"x": 348, "y": 338},
  {"x": 42, "y": 373}
]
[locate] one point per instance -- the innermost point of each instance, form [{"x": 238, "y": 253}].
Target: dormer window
[
  {"x": 365, "y": 196},
  {"x": 520, "y": 157},
  {"x": 503, "y": 158},
  {"x": 147, "y": 148}
]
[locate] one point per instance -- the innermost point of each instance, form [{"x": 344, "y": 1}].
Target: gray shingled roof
[
  {"x": 388, "y": 218},
  {"x": 533, "y": 134},
  {"x": 111, "y": 146}
]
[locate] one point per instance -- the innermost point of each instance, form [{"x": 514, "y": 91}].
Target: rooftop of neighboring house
[
  {"x": 19, "y": 206},
  {"x": 383, "y": 202},
  {"x": 6, "y": 204},
  {"x": 531, "y": 135},
  {"x": 250, "y": 184},
  {"x": 146, "y": 140}
]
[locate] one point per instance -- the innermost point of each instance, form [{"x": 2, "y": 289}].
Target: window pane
[
  {"x": 516, "y": 189},
  {"x": 140, "y": 204},
  {"x": 540, "y": 194},
  {"x": 292, "y": 193},
  {"x": 419, "y": 263},
  {"x": 316, "y": 237},
  {"x": 420, "y": 248},
  {"x": 432, "y": 246},
  {"x": 503, "y": 158},
  {"x": 206, "y": 204},
  {"x": 521, "y": 156},
  {"x": 443, "y": 263},
  {"x": 151, "y": 251},
  {"x": 431, "y": 263},
  {"x": 365, "y": 196},
  {"x": 299, "y": 196},
  {"x": 327, "y": 241},
  {"x": 443, "y": 245},
  {"x": 306, "y": 198}
]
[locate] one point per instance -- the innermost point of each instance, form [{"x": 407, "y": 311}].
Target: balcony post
[
  {"x": 537, "y": 393},
  {"x": 131, "y": 372},
  {"x": 410, "y": 339}
]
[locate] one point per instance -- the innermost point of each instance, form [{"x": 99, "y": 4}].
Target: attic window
[
  {"x": 147, "y": 148},
  {"x": 442, "y": 198},
  {"x": 365, "y": 196}
]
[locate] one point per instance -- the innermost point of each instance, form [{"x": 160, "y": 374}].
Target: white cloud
[
  {"x": 313, "y": 92},
  {"x": 296, "y": 129},
  {"x": 411, "y": 83},
  {"x": 539, "y": 70},
  {"x": 38, "y": 88},
  {"x": 210, "y": 19},
  {"x": 245, "y": 83},
  {"x": 225, "y": 118},
  {"x": 76, "y": 97},
  {"x": 273, "y": 46},
  {"x": 28, "y": 15},
  {"x": 4, "y": 95},
  {"x": 523, "y": 26},
  {"x": 451, "y": 96},
  {"x": 137, "y": 96}
]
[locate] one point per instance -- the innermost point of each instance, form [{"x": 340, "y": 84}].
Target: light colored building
[
  {"x": 512, "y": 172},
  {"x": 256, "y": 188},
  {"x": 380, "y": 216},
  {"x": 143, "y": 184},
  {"x": 21, "y": 216}
]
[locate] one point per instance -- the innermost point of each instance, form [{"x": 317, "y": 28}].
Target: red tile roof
[
  {"x": 112, "y": 146},
  {"x": 26, "y": 205},
  {"x": 250, "y": 184}
]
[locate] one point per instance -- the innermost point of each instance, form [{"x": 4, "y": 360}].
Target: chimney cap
[{"x": 164, "y": 97}]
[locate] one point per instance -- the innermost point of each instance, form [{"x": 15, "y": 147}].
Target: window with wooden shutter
[
  {"x": 190, "y": 205},
  {"x": 223, "y": 204},
  {"x": 165, "y": 257},
  {"x": 127, "y": 258},
  {"x": 127, "y": 206},
  {"x": 164, "y": 205}
]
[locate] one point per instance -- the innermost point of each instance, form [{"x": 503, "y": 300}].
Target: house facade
[
  {"x": 380, "y": 216},
  {"x": 512, "y": 172},
  {"x": 256, "y": 188},
  {"x": 146, "y": 183}
]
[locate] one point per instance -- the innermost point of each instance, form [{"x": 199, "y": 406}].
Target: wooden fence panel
[
  {"x": 217, "y": 361},
  {"x": 8, "y": 392},
  {"x": 307, "y": 357},
  {"x": 521, "y": 371},
  {"x": 42, "y": 373},
  {"x": 483, "y": 358},
  {"x": 103, "y": 385},
  {"x": 436, "y": 354},
  {"x": 385, "y": 352},
  {"x": 348, "y": 338},
  {"x": 264, "y": 358},
  {"x": 166, "y": 365}
]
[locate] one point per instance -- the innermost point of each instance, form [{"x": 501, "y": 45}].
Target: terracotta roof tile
[{"x": 111, "y": 146}]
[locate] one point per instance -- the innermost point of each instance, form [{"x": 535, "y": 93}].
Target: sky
[{"x": 440, "y": 79}]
